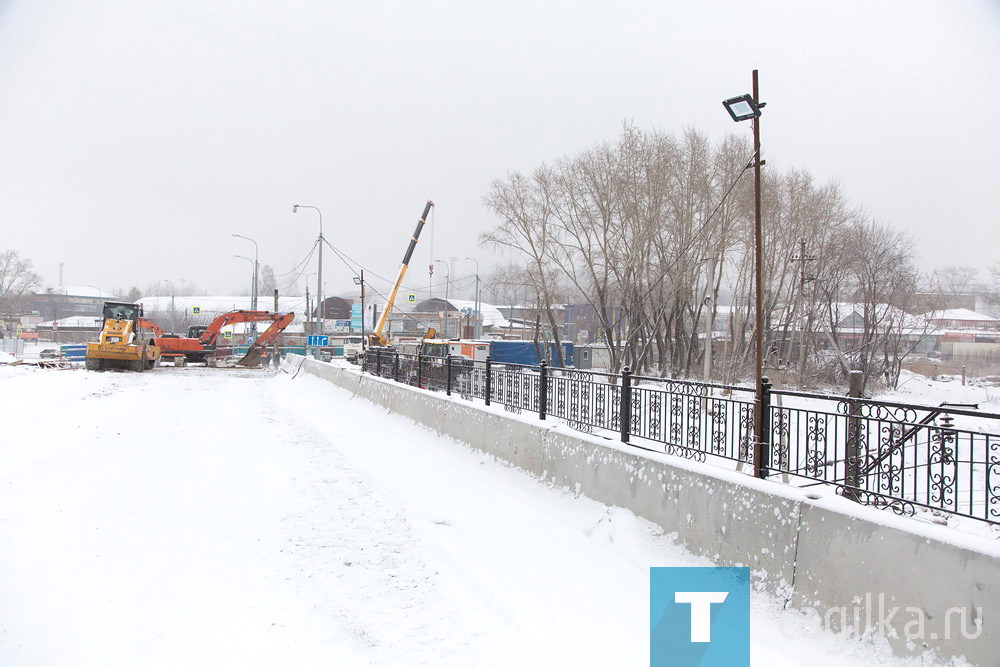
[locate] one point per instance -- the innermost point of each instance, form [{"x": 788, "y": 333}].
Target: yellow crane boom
[{"x": 377, "y": 339}]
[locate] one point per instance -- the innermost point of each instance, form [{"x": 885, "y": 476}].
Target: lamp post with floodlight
[{"x": 747, "y": 107}]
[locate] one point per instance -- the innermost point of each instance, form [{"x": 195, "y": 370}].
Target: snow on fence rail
[{"x": 902, "y": 457}]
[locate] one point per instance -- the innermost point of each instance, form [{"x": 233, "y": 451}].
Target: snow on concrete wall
[{"x": 847, "y": 562}]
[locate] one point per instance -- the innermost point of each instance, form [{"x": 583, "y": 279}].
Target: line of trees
[{"x": 650, "y": 229}]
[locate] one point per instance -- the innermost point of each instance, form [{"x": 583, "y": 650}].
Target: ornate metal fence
[
  {"x": 902, "y": 457},
  {"x": 892, "y": 455}
]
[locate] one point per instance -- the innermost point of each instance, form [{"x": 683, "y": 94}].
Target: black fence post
[
  {"x": 420, "y": 372},
  {"x": 625, "y": 409},
  {"x": 489, "y": 379},
  {"x": 852, "y": 453},
  {"x": 395, "y": 369},
  {"x": 378, "y": 363},
  {"x": 447, "y": 363},
  {"x": 543, "y": 388},
  {"x": 765, "y": 427}
]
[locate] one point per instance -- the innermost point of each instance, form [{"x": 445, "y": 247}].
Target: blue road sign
[{"x": 321, "y": 341}]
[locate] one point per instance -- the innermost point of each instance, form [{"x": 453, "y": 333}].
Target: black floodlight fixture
[{"x": 742, "y": 107}]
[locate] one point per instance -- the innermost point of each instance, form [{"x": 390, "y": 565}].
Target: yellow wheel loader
[{"x": 123, "y": 344}]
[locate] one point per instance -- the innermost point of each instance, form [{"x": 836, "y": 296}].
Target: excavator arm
[
  {"x": 252, "y": 357},
  {"x": 150, "y": 325},
  {"x": 234, "y": 317}
]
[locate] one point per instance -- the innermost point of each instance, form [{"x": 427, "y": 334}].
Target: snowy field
[{"x": 193, "y": 516}]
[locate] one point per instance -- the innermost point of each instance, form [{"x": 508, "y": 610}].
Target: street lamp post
[
  {"x": 253, "y": 281},
  {"x": 475, "y": 326},
  {"x": 173, "y": 324},
  {"x": 747, "y": 107},
  {"x": 256, "y": 270},
  {"x": 319, "y": 275},
  {"x": 447, "y": 283}
]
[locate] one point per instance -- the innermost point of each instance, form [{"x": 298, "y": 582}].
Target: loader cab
[{"x": 122, "y": 311}]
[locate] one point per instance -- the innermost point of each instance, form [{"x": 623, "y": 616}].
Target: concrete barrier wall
[{"x": 826, "y": 554}]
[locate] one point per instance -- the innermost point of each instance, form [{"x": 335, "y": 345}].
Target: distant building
[
  {"x": 62, "y": 302},
  {"x": 962, "y": 318}
]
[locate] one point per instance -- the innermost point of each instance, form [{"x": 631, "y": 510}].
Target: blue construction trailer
[{"x": 525, "y": 352}]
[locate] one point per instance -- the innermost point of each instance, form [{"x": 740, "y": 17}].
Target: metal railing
[{"x": 901, "y": 457}]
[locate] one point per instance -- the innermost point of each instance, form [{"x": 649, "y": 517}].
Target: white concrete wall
[{"x": 820, "y": 553}]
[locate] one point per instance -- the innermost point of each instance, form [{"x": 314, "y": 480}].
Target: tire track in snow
[{"x": 356, "y": 555}]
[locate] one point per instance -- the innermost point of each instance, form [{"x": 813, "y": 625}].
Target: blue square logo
[{"x": 699, "y": 616}]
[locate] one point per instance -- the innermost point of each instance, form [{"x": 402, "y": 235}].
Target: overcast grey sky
[{"x": 139, "y": 135}]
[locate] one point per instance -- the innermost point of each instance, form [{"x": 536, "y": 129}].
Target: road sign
[
  {"x": 321, "y": 341},
  {"x": 227, "y": 334},
  {"x": 196, "y": 310},
  {"x": 411, "y": 298}
]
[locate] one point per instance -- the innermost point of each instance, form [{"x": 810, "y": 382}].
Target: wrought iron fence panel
[
  {"x": 581, "y": 399},
  {"x": 515, "y": 387},
  {"x": 692, "y": 419},
  {"x": 893, "y": 456}
]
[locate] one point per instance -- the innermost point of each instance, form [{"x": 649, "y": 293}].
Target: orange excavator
[
  {"x": 150, "y": 326},
  {"x": 201, "y": 340}
]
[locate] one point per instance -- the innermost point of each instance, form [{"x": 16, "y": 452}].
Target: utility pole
[
  {"x": 308, "y": 320},
  {"x": 709, "y": 308},
  {"x": 803, "y": 280},
  {"x": 319, "y": 274}
]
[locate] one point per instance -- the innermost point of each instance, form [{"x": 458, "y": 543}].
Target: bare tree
[
  {"x": 525, "y": 209},
  {"x": 954, "y": 281},
  {"x": 18, "y": 281}
]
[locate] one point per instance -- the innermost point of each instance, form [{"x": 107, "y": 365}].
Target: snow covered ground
[{"x": 231, "y": 517}]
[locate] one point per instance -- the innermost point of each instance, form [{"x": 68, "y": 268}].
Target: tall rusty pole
[
  {"x": 758, "y": 257},
  {"x": 745, "y": 107}
]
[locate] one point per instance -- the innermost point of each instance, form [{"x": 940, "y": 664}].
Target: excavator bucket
[
  {"x": 251, "y": 358},
  {"x": 254, "y": 353}
]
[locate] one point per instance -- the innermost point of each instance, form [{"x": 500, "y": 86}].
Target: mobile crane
[{"x": 377, "y": 339}]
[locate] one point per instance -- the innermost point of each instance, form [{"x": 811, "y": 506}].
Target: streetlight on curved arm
[
  {"x": 256, "y": 269},
  {"x": 252, "y": 277},
  {"x": 319, "y": 273}
]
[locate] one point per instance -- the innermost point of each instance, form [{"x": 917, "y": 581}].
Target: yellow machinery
[
  {"x": 123, "y": 343},
  {"x": 377, "y": 338}
]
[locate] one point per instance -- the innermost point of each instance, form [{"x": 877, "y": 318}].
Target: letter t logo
[{"x": 701, "y": 611}]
